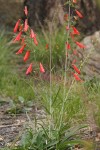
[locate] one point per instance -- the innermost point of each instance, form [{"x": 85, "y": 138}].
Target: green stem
[
  {"x": 65, "y": 73},
  {"x": 50, "y": 101}
]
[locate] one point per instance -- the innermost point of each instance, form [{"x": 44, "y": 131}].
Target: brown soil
[{"x": 12, "y": 125}]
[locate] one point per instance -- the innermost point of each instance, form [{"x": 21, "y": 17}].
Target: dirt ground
[{"x": 12, "y": 126}]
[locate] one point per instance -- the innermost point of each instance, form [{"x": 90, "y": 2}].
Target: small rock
[{"x": 91, "y": 56}]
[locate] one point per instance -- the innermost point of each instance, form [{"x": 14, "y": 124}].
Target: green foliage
[
  {"x": 40, "y": 140},
  {"x": 74, "y": 106},
  {"x": 93, "y": 90},
  {"x": 19, "y": 106},
  {"x": 64, "y": 104},
  {"x": 12, "y": 84},
  {"x": 56, "y": 42}
]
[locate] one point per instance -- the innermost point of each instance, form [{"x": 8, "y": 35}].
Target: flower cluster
[
  {"x": 73, "y": 31},
  {"x": 22, "y": 29}
]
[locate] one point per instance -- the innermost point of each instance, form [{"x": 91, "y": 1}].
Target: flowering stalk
[
  {"x": 24, "y": 28},
  {"x": 71, "y": 33},
  {"x": 76, "y": 77}
]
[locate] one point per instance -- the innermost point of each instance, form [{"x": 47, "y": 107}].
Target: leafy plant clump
[{"x": 54, "y": 132}]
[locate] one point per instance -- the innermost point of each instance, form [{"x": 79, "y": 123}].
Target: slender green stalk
[
  {"x": 64, "y": 101},
  {"x": 50, "y": 100},
  {"x": 65, "y": 73},
  {"x": 66, "y": 57}
]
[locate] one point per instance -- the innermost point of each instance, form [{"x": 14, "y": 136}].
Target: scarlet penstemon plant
[{"x": 55, "y": 136}]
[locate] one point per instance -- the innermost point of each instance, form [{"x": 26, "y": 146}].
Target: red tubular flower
[
  {"x": 32, "y": 34},
  {"x": 79, "y": 14},
  {"x": 77, "y": 77},
  {"x": 35, "y": 41},
  {"x": 25, "y": 10},
  {"x": 75, "y": 31},
  {"x": 80, "y": 45},
  {"x": 41, "y": 68},
  {"x": 74, "y": 1},
  {"x": 27, "y": 55},
  {"x": 21, "y": 50},
  {"x": 68, "y": 46},
  {"x": 16, "y": 26},
  {"x": 26, "y": 25},
  {"x": 29, "y": 70},
  {"x": 76, "y": 69},
  {"x": 18, "y": 37}
]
